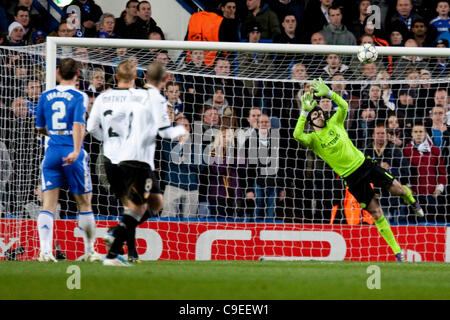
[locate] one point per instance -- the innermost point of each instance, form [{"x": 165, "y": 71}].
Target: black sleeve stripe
[{"x": 164, "y": 128}]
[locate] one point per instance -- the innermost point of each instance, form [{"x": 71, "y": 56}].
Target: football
[{"x": 367, "y": 53}]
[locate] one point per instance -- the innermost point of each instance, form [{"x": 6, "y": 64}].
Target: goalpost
[{"x": 256, "y": 196}]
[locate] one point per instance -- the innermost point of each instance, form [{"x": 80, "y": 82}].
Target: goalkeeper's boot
[
  {"x": 46, "y": 257},
  {"x": 417, "y": 209},
  {"x": 401, "y": 256},
  {"x": 116, "y": 262}
]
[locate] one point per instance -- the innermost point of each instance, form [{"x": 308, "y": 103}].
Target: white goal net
[{"x": 240, "y": 186}]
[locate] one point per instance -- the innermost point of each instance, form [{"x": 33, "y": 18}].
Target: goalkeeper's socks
[
  {"x": 408, "y": 197},
  {"x": 386, "y": 232},
  {"x": 45, "y": 231},
  {"x": 86, "y": 222},
  {"x": 121, "y": 233}
]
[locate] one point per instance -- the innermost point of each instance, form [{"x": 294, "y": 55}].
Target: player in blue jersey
[{"x": 61, "y": 115}]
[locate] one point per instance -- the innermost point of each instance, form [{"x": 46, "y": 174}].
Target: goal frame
[{"x": 53, "y": 42}]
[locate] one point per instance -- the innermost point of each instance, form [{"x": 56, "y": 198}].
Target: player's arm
[
  {"x": 40, "y": 119},
  {"x": 166, "y": 130},
  {"x": 93, "y": 125},
  {"x": 322, "y": 90},
  {"x": 308, "y": 104},
  {"x": 78, "y": 133}
]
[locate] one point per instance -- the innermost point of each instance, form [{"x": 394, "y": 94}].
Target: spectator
[
  {"x": 181, "y": 175},
  {"x": 315, "y": 62},
  {"x": 359, "y": 21},
  {"x": 440, "y": 66},
  {"x": 156, "y": 35},
  {"x": 38, "y": 37},
  {"x": 173, "y": 95},
  {"x": 33, "y": 91},
  {"x": 225, "y": 193},
  {"x": 90, "y": 16},
  {"x": 64, "y": 30},
  {"x": 406, "y": 109},
  {"x": 16, "y": 32},
  {"x": 96, "y": 81},
  {"x": 376, "y": 102},
  {"x": 267, "y": 185},
  {"x": 286, "y": 7},
  {"x": 218, "y": 100},
  {"x": 405, "y": 62},
  {"x": 255, "y": 65},
  {"x": 334, "y": 65},
  {"x": 442, "y": 21},
  {"x": 289, "y": 32},
  {"x": 386, "y": 91},
  {"x": 266, "y": 19},
  {"x": 126, "y": 26},
  {"x": 316, "y": 17},
  {"x": 425, "y": 96},
  {"x": 396, "y": 39},
  {"x": 22, "y": 16},
  {"x": 3, "y": 37},
  {"x": 395, "y": 130},
  {"x": 402, "y": 18},
  {"x": 229, "y": 27},
  {"x": 106, "y": 24},
  {"x": 234, "y": 89},
  {"x": 391, "y": 159},
  {"x": 364, "y": 125},
  {"x": 335, "y": 32},
  {"x": 196, "y": 63},
  {"x": 429, "y": 176},
  {"x": 146, "y": 24},
  {"x": 439, "y": 132},
  {"x": 423, "y": 34}
]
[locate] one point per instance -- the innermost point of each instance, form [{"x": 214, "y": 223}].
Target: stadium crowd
[{"x": 403, "y": 124}]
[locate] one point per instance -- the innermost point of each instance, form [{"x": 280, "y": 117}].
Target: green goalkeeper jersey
[{"x": 332, "y": 143}]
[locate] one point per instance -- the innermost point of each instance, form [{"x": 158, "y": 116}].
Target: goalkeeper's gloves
[
  {"x": 320, "y": 88},
  {"x": 308, "y": 102}
]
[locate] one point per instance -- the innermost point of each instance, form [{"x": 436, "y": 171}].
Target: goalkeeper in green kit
[{"x": 330, "y": 142}]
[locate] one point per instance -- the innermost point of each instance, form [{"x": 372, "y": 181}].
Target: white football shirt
[
  {"x": 147, "y": 121},
  {"x": 110, "y": 120}
]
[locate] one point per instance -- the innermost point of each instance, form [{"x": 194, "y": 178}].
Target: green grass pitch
[{"x": 229, "y": 280}]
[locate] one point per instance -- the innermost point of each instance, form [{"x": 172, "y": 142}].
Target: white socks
[
  {"x": 86, "y": 223},
  {"x": 45, "y": 230}
]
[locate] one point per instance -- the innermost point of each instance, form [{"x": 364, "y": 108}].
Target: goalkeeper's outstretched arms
[
  {"x": 322, "y": 90},
  {"x": 307, "y": 104}
]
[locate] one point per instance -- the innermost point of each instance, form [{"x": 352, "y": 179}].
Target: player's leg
[
  {"x": 80, "y": 184},
  {"x": 86, "y": 223},
  {"x": 45, "y": 224},
  {"x": 138, "y": 185},
  {"x": 364, "y": 193},
  {"x": 52, "y": 179},
  {"x": 405, "y": 193},
  {"x": 154, "y": 205}
]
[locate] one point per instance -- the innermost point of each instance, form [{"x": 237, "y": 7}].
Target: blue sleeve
[
  {"x": 40, "y": 117},
  {"x": 80, "y": 110}
]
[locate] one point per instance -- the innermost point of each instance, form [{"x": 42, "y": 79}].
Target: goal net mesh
[{"x": 241, "y": 163}]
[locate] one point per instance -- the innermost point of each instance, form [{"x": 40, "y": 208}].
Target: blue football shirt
[{"x": 58, "y": 109}]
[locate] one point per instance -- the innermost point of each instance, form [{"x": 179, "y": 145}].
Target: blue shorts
[{"x": 77, "y": 176}]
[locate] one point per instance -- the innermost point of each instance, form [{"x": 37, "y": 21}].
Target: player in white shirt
[{"x": 130, "y": 171}]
